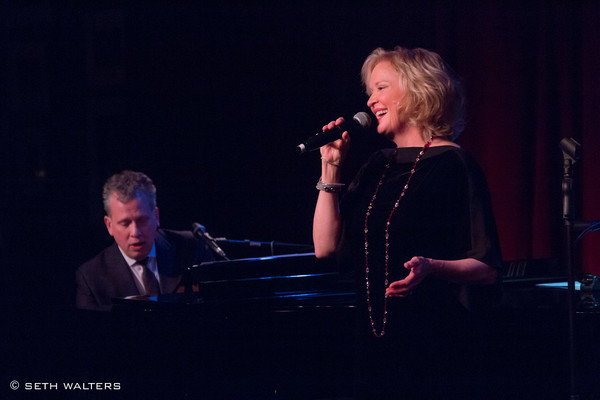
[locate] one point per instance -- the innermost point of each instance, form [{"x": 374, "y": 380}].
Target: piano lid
[{"x": 298, "y": 276}]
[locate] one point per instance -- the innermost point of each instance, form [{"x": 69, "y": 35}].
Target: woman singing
[{"x": 416, "y": 225}]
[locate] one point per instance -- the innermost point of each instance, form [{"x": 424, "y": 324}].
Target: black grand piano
[
  {"x": 281, "y": 327},
  {"x": 265, "y": 327}
]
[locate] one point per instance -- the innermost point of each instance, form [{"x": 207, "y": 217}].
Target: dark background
[{"x": 210, "y": 99}]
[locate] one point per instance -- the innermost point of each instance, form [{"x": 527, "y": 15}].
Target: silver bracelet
[{"x": 329, "y": 187}]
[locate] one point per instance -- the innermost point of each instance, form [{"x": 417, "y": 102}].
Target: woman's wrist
[
  {"x": 336, "y": 164},
  {"x": 330, "y": 173}
]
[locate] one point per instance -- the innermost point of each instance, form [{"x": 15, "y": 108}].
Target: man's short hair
[{"x": 128, "y": 185}]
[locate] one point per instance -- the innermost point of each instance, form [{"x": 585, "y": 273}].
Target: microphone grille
[
  {"x": 363, "y": 119},
  {"x": 571, "y": 148}
]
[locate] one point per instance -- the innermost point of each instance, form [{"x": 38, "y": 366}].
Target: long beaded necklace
[{"x": 387, "y": 236}]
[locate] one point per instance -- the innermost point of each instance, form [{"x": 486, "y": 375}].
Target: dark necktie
[{"x": 151, "y": 286}]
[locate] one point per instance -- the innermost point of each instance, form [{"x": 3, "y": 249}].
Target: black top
[{"x": 445, "y": 214}]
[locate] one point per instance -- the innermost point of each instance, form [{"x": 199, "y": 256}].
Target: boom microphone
[
  {"x": 360, "y": 122},
  {"x": 200, "y": 232}
]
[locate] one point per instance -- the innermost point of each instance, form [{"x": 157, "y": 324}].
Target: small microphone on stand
[
  {"x": 571, "y": 154},
  {"x": 200, "y": 232}
]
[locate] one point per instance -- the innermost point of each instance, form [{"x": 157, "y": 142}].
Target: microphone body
[
  {"x": 359, "y": 123},
  {"x": 200, "y": 231}
]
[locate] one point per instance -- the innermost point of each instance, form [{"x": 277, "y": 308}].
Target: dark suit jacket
[{"x": 108, "y": 276}]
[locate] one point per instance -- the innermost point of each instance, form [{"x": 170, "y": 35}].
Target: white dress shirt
[{"x": 138, "y": 269}]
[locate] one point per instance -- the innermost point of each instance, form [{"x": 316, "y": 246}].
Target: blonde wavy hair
[{"x": 434, "y": 100}]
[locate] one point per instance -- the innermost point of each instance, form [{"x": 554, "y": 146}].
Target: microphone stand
[
  {"x": 571, "y": 153},
  {"x": 271, "y": 245}
]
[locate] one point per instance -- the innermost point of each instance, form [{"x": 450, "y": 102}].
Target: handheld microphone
[
  {"x": 200, "y": 231},
  {"x": 359, "y": 123}
]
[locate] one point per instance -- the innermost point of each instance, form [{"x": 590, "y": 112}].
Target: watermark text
[{"x": 70, "y": 386}]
